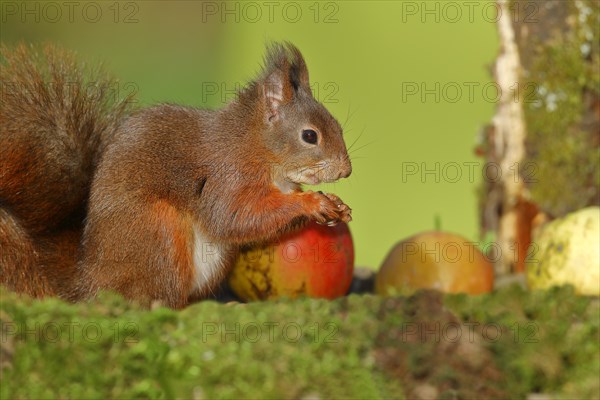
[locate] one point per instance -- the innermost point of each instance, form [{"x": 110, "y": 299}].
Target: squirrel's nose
[{"x": 345, "y": 171}]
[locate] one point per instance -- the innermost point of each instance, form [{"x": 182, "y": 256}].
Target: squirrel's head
[{"x": 303, "y": 136}]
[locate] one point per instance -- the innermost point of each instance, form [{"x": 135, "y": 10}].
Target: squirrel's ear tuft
[{"x": 284, "y": 74}]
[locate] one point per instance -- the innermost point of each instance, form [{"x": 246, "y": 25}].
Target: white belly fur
[{"x": 208, "y": 260}]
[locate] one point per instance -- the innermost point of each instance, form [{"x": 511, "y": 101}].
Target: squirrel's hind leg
[{"x": 146, "y": 256}]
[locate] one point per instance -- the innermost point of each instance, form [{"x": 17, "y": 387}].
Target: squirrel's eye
[{"x": 309, "y": 136}]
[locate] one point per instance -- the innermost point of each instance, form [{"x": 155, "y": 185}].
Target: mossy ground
[{"x": 503, "y": 345}]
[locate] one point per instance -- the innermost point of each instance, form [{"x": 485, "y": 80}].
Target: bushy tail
[{"x": 56, "y": 116}]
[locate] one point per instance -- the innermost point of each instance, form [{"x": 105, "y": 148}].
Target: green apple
[{"x": 567, "y": 251}]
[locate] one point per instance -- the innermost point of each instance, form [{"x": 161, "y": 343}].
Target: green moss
[
  {"x": 560, "y": 97},
  {"x": 354, "y": 347},
  {"x": 550, "y": 340}
]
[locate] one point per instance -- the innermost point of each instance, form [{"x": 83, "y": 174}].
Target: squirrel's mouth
[
  {"x": 312, "y": 180},
  {"x": 307, "y": 176},
  {"x": 313, "y": 175},
  {"x": 306, "y": 180}
]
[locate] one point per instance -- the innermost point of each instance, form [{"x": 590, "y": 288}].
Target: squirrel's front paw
[
  {"x": 344, "y": 212},
  {"x": 328, "y": 209}
]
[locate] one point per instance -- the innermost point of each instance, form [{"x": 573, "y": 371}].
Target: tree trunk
[{"x": 542, "y": 144}]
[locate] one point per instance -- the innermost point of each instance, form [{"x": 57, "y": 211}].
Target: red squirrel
[{"x": 155, "y": 203}]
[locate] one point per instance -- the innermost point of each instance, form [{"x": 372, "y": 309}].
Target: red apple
[
  {"x": 316, "y": 261},
  {"x": 435, "y": 260}
]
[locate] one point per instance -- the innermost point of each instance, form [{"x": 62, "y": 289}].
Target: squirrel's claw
[{"x": 333, "y": 210}]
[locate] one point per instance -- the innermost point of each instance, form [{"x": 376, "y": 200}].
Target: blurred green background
[{"x": 405, "y": 78}]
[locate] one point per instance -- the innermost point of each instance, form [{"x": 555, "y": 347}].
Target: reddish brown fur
[
  {"x": 19, "y": 259},
  {"x": 58, "y": 255},
  {"x": 52, "y": 131},
  {"x": 38, "y": 265},
  {"x": 170, "y": 171}
]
